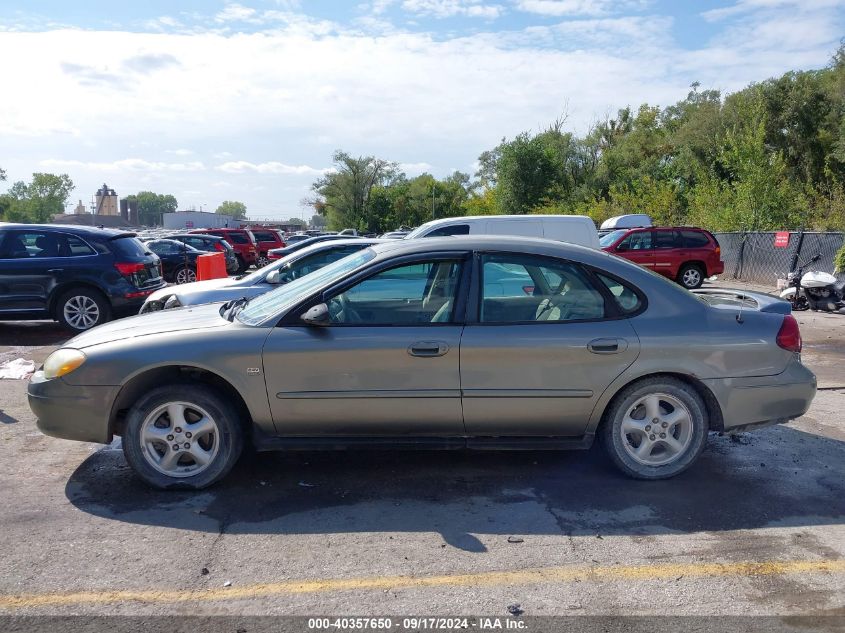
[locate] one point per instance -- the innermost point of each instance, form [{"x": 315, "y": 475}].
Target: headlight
[
  {"x": 62, "y": 361},
  {"x": 172, "y": 302}
]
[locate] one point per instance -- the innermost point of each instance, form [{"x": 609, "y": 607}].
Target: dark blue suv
[{"x": 79, "y": 276}]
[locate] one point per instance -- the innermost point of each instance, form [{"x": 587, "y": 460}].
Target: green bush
[{"x": 839, "y": 260}]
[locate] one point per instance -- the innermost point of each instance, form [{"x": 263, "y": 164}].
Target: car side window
[
  {"x": 30, "y": 244},
  {"x": 666, "y": 239},
  {"x": 627, "y": 300},
  {"x": 695, "y": 239},
  {"x": 411, "y": 294},
  {"x": 640, "y": 241},
  {"x": 455, "y": 229},
  {"x": 526, "y": 288},
  {"x": 73, "y": 246}
]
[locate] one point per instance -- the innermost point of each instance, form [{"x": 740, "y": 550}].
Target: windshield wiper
[{"x": 234, "y": 306}]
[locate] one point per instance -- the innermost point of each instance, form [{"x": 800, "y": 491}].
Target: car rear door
[
  {"x": 536, "y": 364},
  {"x": 29, "y": 264},
  {"x": 669, "y": 252},
  {"x": 387, "y": 363}
]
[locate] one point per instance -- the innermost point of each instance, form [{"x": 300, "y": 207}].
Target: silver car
[
  {"x": 458, "y": 342},
  {"x": 263, "y": 280}
]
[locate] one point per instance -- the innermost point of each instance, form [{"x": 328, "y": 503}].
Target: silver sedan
[{"x": 458, "y": 342}]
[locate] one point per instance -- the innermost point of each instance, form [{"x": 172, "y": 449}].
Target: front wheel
[
  {"x": 182, "y": 436},
  {"x": 262, "y": 261},
  {"x": 691, "y": 276},
  {"x": 655, "y": 428}
]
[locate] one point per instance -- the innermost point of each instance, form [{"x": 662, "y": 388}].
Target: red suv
[
  {"x": 267, "y": 240},
  {"x": 241, "y": 240},
  {"x": 686, "y": 254}
]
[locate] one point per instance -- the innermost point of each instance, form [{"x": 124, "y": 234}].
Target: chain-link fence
[{"x": 753, "y": 257}]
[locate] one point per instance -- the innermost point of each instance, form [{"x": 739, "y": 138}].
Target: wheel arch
[
  {"x": 714, "y": 409},
  {"x": 694, "y": 262},
  {"x": 146, "y": 380}
]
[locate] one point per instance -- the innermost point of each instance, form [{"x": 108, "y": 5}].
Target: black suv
[
  {"x": 210, "y": 244},
  {"x": 79, "y": 276}
]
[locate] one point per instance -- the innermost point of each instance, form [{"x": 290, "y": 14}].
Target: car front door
[
  {"x": 385, "y": 364},
  {"x": 538, "y": 354},
  {"x": 637, "y": 248}
]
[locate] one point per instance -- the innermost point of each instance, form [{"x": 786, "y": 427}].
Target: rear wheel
[
  {"x": 185, "y": 275},
  {"x": 182, "y": 436},
  {"x": 80, "y": 309},
  {"x": 691, "y": 276},
  {"x": 655, "y": 428}
]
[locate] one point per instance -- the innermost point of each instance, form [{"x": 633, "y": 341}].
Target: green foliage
[
  {"x": 233, "y": 208},
  {"x": 153, "y": 206},
  {"x": 839, "y": 260},
  {"x": 37, "y": 201}
]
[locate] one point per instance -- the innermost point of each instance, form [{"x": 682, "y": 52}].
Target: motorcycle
[{"x": 814, "y": 290}]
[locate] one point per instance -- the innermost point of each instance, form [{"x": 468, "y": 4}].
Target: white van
[
  {"x": 629, "y": 221},
  {"x": 575, "y": 229}
]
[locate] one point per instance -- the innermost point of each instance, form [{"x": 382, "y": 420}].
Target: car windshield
[
  {"x": 275, "y": 301},
  {"x": 610, "y": 238}
]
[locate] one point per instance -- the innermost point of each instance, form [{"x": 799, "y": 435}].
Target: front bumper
[
  {"x": 71, "y": 412},
  {"x": 759, "y": 401}
]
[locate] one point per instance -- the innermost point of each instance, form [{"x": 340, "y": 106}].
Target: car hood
[{"x": 176, "y": 320}]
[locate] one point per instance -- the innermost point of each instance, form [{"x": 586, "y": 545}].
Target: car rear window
[
  {"x": 695, "y": 239},
  {"x": 265, "y": 236},
  {"x": 128, "y": 247}
]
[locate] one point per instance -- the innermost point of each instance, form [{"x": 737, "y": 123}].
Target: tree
[
  {"x": 233, "y": 208},
  {"x": 38, "y": 200},
  {"x": 526, "y": 174},
  {"x": 345, "y": 191},
  {"x": 2, "y": 174},
  {"x": 153, "y": 206}
]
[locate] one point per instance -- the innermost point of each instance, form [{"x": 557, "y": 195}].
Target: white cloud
[
  {"x": 179, "y": 152},
  {"x": 125, "y": 164},
  {"x": 272, "y": 167},
  {"x": 449, "y": 8},
  {"x": 235, "y": 13},
  {"x": 560, "y": 8},
  {"x": 415, "y": 169},
  {"x": 746, "y": 6}
]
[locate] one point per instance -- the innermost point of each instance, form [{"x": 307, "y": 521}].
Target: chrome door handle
[
  {"x": 428, "y": 348},
  {"x": 607, "y": 345}
]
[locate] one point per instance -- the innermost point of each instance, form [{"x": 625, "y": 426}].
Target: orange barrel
[{"x": 211, "y": 266}]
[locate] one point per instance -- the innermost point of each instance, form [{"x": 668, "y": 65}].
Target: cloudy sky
[{"x": 213, "y": 100}]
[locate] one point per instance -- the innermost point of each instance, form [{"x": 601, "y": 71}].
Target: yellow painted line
[{"x": 477, "y": 579}]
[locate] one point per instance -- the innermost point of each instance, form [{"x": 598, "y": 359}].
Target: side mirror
[
  {"x": 273, "y": 277},
  {"x": 317, "y": 315},
  {"x": 621, "y": 248}
]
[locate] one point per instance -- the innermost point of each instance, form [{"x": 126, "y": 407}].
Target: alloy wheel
[
  {"x": 691, "y": 278},
  {"x": 185, "y": 276},
  {"x": 81, "y": 312},
  {"x": 657, "y": 429},
  {"x": 179, "y": 439}
]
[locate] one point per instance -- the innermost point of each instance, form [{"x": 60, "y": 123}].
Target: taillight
[
  {"x": 789, "y": 336},
  {"x": 718, "y": 249},
  {"x": 129, "y": 268}
]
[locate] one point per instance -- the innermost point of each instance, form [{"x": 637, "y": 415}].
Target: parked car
[
  {"x": 279, "y": 253},
  {"x": 210, "y": 244},
  {"x": 241, "y": 240},
  {"x": 294, "y": 266},
  {"x": 297, "y": 237},
  {"x": 395, "y": 235},
  {"x": 575, "y": 229},
  {"x": 178, "y": 260},
  {"x": 267, "y": 240},
  {"x": 79, "y": 276},
  {"x": 359, "y": 353},
  {"x": 686, "y": 254}
]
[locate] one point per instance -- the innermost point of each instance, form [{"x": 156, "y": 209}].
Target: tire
[
  {"x": 150, "y": 435},
  {"x": 691, "y": 276},
  {"x": 80, "y": 309},
  {"x": 630, "y": 410},
  {"x": 262, "y": 261},
  {"x": 185, "y": 275}
]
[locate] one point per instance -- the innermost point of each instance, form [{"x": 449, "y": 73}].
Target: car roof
[{"x": 70, "y": 228}]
